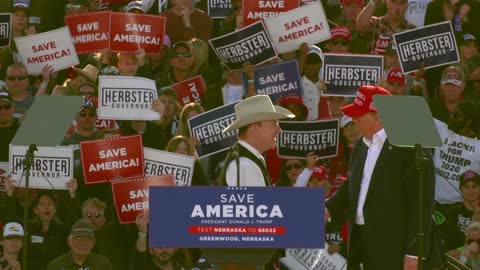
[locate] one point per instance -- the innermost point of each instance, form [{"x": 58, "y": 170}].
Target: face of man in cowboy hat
[{"x": 257, "y": 118}]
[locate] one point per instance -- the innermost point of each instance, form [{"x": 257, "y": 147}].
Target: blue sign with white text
[
  {"x": 277, "y": 80},
  {"x": 237, "y": 217}
]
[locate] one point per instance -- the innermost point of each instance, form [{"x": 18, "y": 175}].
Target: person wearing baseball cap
[
  {"x": 11, "y": 243},
  {"x": 81, "y": 241},
  {"x": 340, "y": 40},
  {"x": 452, "y": 85},
  {"x": 348, "y": 18},
  {"x": 395, "y": 82},
  {"x": 8, "y": 124},
  {"x": 382, "y": 176}
]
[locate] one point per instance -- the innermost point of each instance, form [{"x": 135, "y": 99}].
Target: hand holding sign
[
  {"x": 10, "y": 185},
  {"x": 141, "y": 221}
]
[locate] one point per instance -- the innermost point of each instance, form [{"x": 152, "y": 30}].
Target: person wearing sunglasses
[
  {"x": 181, "y": 64},
  {"x": 17, "y": 83},
  {"x": 8, "y": 125},
  {"x": 340, "y": 40},
  {"x": 471, "y": 253}
]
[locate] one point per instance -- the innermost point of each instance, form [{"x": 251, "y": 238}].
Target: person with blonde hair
[{"x": 189, "y": 110}]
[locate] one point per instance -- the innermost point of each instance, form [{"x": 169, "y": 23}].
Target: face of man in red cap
[
  {"x": 351, "y": 9},
  {"x": 364, "y": 112},
  {"x": 395, "y": 82}
]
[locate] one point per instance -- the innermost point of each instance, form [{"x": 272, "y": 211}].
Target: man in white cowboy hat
[
  {"x": 257, "y": 121},
  {"x": 70, "y": 87},
  {"x": 258, "y": 128}
]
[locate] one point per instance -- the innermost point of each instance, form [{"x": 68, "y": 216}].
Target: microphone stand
[{"x": 28, "y": 162}]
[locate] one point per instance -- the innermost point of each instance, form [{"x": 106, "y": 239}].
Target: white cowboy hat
[
  {"x": 89, "y": 71},
  {"x": 256, "y": 109}
]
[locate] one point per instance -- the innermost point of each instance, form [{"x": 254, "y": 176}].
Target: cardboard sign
[
  {"x": 298, "y": 138},
  {"x": 131, "y": 195},
  {"x": 165, "y": 163},
  {"x": 218, "y": 9},
  {"x": 52, "y": 163},
  {"x": 53, "y": 47},
  {"x": 126, "y": 98},
  {"x": 256, "y": 10},
  {"x": 250, "y": 44},
  {"x": 304, "y": 24},
  {"x": 344, "y": 73},
  {"x": 131, "y": 31},
  {"x": 105, "y": 159},
  {"x": 90, "y": 31},
  {"x": 434, "y": 45},
  {"x": 207, "y": 128},
  {"x": 308, "y": 259},
  {"x": 245, "y": 217},
  {"x": 190, "y": 90},
  {"x": 5, "y": 26},
  {"x": 277, "y": 80}
]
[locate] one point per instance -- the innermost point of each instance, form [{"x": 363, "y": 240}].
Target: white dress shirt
[
  {"x": 374, "y": 147},
  {"x": 250, "y": 174}
]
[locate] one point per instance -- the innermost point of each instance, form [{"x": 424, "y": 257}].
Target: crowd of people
[{"x": 79, "y": 228}]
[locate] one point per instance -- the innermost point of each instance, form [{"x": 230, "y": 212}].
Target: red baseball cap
[
  {"x": 340, "y": 32},
  {"x": 359, "y": 2},
  {"x": 363, "y": 102},
  {"x": 395, "y": 75},
  {"x": 320, "y": 172},
  {"x": 292, "y": 99}
]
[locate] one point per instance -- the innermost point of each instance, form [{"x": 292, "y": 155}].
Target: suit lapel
[
  {"x": 356, "y": 174},
  {"x": 378, "y": 171}
]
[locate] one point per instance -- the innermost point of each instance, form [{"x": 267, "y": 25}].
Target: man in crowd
[
  {"x": 381, "y": 174},
  {"x": 17, "y": 84},
  {"x": 392, "y": 22},
  {"x": 12, "y": 243},
  {"x": 185, "y": 22},
  {"x": 81, "y": 242},
  {"x": 471, "y": 253},
  {"x": 8, "y": 125}
]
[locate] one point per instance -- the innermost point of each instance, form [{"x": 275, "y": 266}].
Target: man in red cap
[
  {"x": 395, "y": 82},
  {"x": 340, "y": 40},
  {"x": 381, "y": 195}
]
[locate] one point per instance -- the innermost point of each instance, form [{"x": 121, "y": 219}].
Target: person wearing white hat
[
  {"x": 12, "y": 243},
  {"x": 257, "y": 121}
]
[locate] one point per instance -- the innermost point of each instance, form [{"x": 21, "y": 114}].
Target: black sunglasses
[
  {"x": 293, "y": 166},
  {"x": 5, "y": 107},
  {"x": 184, "y": 54},
  {"x": 469, "y": 241},
  {"x": 96, "y": 215},
  {"x": 18, "y": 78},
  {"x": 91, "y": 114},
  {"x": 340, "y": 41}
]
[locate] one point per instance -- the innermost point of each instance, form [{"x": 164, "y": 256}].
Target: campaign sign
[
  {"x": 250, "y": 44},
  {"x": 5, "y": 25},
  {"x": 54, "y": 48},
  {"x": 126, "y": 98},
  {"x": 218, "y": 9},
  {"x": 131, "y": 195},
  {"x": 105, "y": 159},
  {"x": 4, "y": 171},
  {"x": 344, "y": 73},
  {"x": 433, "y": 45},
  {"x": 307, "y": 259},
  {"x": 131, "y": 31},
  {"x": 298, "y": 138},
  {"x": 190, "y": 90},
  {"x": 159, "y": 162},
  {"x": 256, "y": 10},
  {"x": 54, "y": 164},
  {"x": 237, "y": 217},
  {"x": 207, "y": 128},
  {"x": 277, "y": 80},
  {"x": 304, "y": 24},
  {"x": 90, "y": 31}
]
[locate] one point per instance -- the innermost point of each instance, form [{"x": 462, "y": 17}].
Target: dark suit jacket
[{"x": 391, "y": 206}]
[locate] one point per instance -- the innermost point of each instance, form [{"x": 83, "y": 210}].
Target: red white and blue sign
[
  {"x": 237, "y": 217},
  {"x": 277, "y": 80}
]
